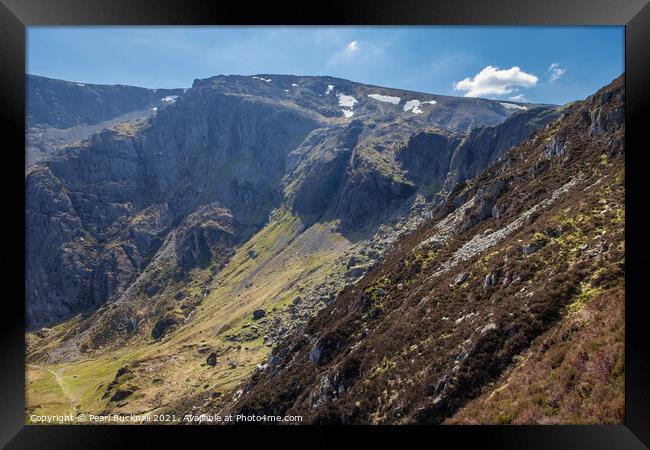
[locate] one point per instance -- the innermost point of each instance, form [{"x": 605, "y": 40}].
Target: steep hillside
[
  {"x": 505, "y": 307},
  {"x": 168, "y": 255},
  {"x": 64, "y": 104},
  {"x": 61, "y": 112}
]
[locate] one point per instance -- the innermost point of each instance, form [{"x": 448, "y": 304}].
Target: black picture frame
[{"x": 16, "y": 15}]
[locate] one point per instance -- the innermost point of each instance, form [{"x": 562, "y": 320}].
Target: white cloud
[
  {"x": 556, "y": 71},
  {"x": 513, "y": 106},
  {"x": 494, "y": 81},
  {"x": 353, "y": 47},
  {"x": 358, "y": 53},
  {"x": 518, "y": 98}
]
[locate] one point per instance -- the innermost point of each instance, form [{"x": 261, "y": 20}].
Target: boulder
[
  {"x": 460, "y": 279},
  {"x": 121, "y": 394},
  {"x": 162, "y": 326},
  {"x": 356, "y": 271}
]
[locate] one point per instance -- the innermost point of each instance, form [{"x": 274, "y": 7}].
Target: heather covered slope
[{"x": 511, "y": 295}]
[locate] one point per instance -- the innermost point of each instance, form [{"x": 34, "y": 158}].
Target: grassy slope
[{"x": 286, "y": 257}]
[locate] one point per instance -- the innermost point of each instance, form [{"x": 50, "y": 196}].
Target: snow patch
[
  {"x": 80, "y": 84},
  {"x": 513, "y": 106},
  {"x": 294, "y": 84},
  {"x": 385, "y": 98},
  {"x": 170, "y": 98},
  {"x": 347, "y": 102},
  {"x": 429, "y": 102},
  {"x": 413, "y": 105},
  {"x": 330, "y": 88},
  {"x": 286, "y": 90},
  {"x": 155, "y": 108},
  {"x": 268, "y": 80}
]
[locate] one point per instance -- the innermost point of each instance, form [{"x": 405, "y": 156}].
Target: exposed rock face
[
  {"x": 162, "y": 326},
  {"x": 65, "y": 104},
  {"x": 426, "y": 157},
  {"x": 123, "y": 216},
  {"x": 98, "y": 213},
  {"x": 485, "y": 144},
  {"x": 456, "y": 303},
  {"x": 367, "y": 193},
  {"x": 321, "y": 177},
  {"x": 58, "y": 281},
  {"x": 202, "y": 236}
]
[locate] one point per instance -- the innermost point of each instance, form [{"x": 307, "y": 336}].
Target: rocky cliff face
[
  {"x": 64, "y": 104},
  {"x": 60, "y": 113},
  {"x": 115, "y": 198},
  {"x": 484, "y": 145},
  {"x": 511, "y": 276},
  {"x": 100, "y": 211}
]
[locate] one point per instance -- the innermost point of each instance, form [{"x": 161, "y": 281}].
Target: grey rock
[
  {"x": 484, "y": 145},
  {"x": 490, "y": 280},
  {"x": 162, "y": 326},
  {"x": 557, "y": 147},
  {"x": 356, "y": 271},
  {"x": 461, "y": 278}
]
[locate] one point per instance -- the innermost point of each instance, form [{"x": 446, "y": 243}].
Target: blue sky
[{"x": 536, "y": 64}]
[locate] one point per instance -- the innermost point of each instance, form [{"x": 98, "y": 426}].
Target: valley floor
[{"x": 268, "y": 272}]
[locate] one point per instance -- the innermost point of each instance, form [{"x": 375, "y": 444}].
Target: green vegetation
[
  {"x": 377, "y": 292},
  {"x": 266, "y": 272},
  {"x": 587, "y": 292},
  {"x": 383, "y": 366}
]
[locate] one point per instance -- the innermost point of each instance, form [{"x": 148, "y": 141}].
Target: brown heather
[{"x": 517, "y": 317}]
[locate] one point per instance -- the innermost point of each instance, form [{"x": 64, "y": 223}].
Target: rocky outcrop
[
  {"x": 204, "y": 236},
  {"x": 321, "y": 176},
  {"x": 60, "y": 254},
  {"x": 484, "y": 145},
  {"x": 368, "y": 193},
  {"x": 426, "y": 157}
]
